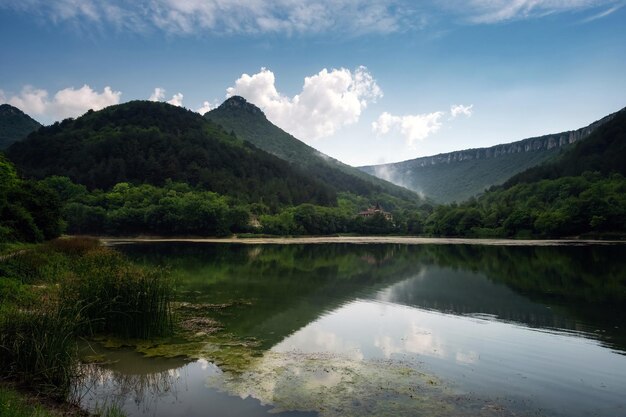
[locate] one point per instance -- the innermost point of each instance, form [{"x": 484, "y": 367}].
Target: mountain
[
  {"x": 457, "y": 176},
  {"x": 603, "y": 151},
  {"x": 147, "y": 142},
  {"x": 582, "y": 192},
  {"x": 14, "y": 125},
  {"x": 249, "y": 123}
]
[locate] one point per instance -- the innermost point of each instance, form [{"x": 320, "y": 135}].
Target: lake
[{"x": 379, "y": 329}]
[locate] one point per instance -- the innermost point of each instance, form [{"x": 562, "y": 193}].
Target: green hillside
[
  {"x": 14, "y": 125},
  {"x": 457, "y": 176},
  {"x": 249, "y": 123},
  {"x": 582, "y": 192},
  {"x": 147, "y": 142},
  {"x": 603, "y": 151}
]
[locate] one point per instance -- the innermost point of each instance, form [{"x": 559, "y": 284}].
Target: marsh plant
[
  {"x": 72, "y": 288},
  {"x": 115, "y": 297}
]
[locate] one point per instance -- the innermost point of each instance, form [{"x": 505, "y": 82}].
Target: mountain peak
[
  {"x": 15, "y": 125},
  {"x": 240, "y": 103}
]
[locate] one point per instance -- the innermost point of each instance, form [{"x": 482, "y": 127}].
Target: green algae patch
[{"x": 333, "y": 385}]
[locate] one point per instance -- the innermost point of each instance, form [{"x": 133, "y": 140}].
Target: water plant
[
  {"x": 38, "y": 349},
  {"x": 66, "y": 289}
]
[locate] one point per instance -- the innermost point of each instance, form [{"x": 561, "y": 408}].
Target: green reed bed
[
  {"x": 118, "y": 298},
  {"x": 38, "y": 349},
  {"x": 66, "y": 289}
]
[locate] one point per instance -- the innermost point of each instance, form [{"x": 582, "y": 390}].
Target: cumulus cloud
[
  {"x": 328, "y": 100},
  {"x": 206, "y": 107},
  {"x": 229, "y": 16},
  {"x": 494, "y": 11},
  {"x": 459, "y": 109},
  {"x": 69, "y": 102},
  {"x": 159, "y": 95},
  {"x": 176, "y": 100},
  {"x": 412, "y": 127}
]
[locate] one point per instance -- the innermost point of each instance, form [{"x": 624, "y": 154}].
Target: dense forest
[
  {"x": 146, "y": 142},
  {"x": 581, "y": 192},
  {"x": 14, "y": 125},
  {"x": 29, "y": 210},
  {"x": 151, "y": 168}
]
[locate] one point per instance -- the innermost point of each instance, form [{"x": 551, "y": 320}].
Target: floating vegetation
[{"x": 334, "y": 385}]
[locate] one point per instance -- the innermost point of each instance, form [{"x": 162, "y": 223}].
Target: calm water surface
[{"x": 344, "y": 329}]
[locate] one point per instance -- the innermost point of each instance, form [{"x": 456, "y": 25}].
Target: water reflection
[
  {"x": 577, "y": 288},
  {"x": 517, "y": 330}
]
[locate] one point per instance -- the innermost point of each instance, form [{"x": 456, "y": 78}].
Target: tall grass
[
  {"x": 82, "y": 289},
  {"x": 119, "y": 298},
  {"x": 37, "y": 348}
]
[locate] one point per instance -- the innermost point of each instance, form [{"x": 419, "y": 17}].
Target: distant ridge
[
  {"x": 459, "y": 175},
  {"x": 249, "y": 123},
  {"x": 14, "y": 125}
]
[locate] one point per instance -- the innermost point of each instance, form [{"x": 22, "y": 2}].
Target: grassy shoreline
[{"x": 55, "y": 293}]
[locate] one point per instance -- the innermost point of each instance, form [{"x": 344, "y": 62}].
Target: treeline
[
  {"x": 29, "y": 210},
  {"x": 180, "y": 209},
  {"x": 568, "y": 206}
]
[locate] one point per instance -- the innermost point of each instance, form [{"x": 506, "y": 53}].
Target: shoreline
[{"x": 361, "y": 240}]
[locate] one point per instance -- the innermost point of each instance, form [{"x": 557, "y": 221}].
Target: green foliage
[
  {"x": 602, "y": 152},
  {"x": 14, "y": 125},
  {"x": 68, "y": 288},
  {"x": 568, "y": 206},
  {"x": 38, "y": 349},
  {"x": 29, "y": 210},
  {"x": 174, "y": 209},
  {"x": 115, "y": 297},
  {"x": 145, "y": 142}
]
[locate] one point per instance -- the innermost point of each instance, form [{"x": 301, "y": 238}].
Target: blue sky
[{"x": 364, "y": 81}]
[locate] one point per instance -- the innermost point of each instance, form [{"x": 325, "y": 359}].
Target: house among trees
[{"x": 372, "y": 211}]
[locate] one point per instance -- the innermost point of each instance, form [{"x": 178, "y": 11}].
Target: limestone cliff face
[{"x": 527, "y": 145}]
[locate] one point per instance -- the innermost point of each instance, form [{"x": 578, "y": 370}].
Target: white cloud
[
  {"x": 31, "y": 100},
  {"x": 459, "y": 109},
  {"x": 157, "y": 95},
  {"x": 412, "y": 127},
  {"x": 206, "y": 107},
  {"x": 494, "y": 11},
  {"x": 69, "y": 102},
  {"x": 176, "y": 100},
  {"x": 328, "y": 100},
  {"x": 603, "y": 13},
  {"x": 228, "y": 16}
]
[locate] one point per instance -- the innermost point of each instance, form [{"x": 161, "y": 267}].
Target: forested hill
[
  {"x": 604, "y": 151},
  {"x": 459, "y": 175},
  {"x": 14, "y": 125},
  {"x": 249, "y": 123},
  {"x": 148, "y": 142},
  {"x": 581, "y": 193}
]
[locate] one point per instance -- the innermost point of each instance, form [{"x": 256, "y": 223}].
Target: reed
[
  {"x": 87, "y": 290},
  {"x": 38, "y": 349},
  {"x": 119, "y": 298}
]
